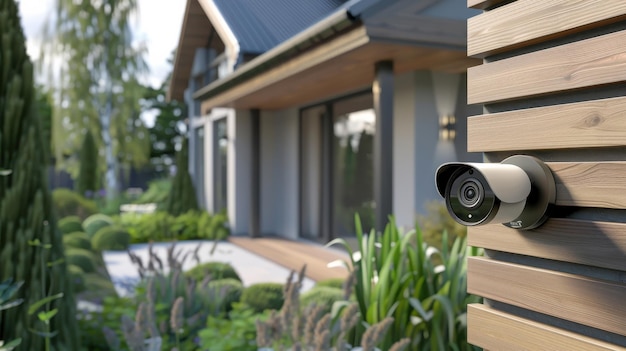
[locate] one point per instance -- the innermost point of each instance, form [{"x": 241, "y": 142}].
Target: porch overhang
[
  {"x": 197, "y": 31},
  {"x": 340, "y": 61}
]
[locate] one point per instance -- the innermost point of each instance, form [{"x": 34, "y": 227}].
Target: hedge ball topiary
[
  {"x": 70, "y": 224},
  {"x": 324, "y": 296},
  {"x": 111, "y": 238},
  {"x": 96, "y": 222},
  {"x": 82, "y": 258},
  {"x": 230, "y": 289},
  {"x": 263, "y": 296},
  {"x": 78, "y": 240},
  {"x": 216, "y": 270}
]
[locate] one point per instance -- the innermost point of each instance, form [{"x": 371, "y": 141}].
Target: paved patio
[{"x": 255, "y": 260}]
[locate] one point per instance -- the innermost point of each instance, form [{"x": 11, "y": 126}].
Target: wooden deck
[{"x": 294, "y": 254}]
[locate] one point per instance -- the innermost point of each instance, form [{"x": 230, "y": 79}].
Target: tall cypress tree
[
  {"x": 182, "y": 197},
  {"x": 88, "y": 174},
  {"x": 25, "y": 202}
]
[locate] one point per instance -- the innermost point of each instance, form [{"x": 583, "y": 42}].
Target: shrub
[
  {"x": 88, "y": 166},
  {"x": 94, "y": 223},
  {"x": 216, "y": 270},
  {"x": 182, "y": 197},
  {"x": 76, "y": 277},
  {"x": 237, "y": 332},
  {"x": 70, "y": 224},
  {"x": 331, "y": 283},
  {"x": 185, "y": 226},
  {"x": 68, "y": 203},
  {"x": 263, "y": 296},
  {"x": 230, "y": 288},
  {"x": 158, "y": 191},
  {"x": 213, "y": 227},
  {"x": 97, "y": 283},
  {"x": 77, "y": 240},
  {"x": 322, "y": 296},
  {"x": 111, "y": 238},
  {"x": 82, "y": 258},
  {"x": 437, "y": 221},
  {"x": 152, "y": 226}
]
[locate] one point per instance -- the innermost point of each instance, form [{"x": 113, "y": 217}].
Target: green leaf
[
  {"x": 11, "y": 304},
  {"x": 38, "y": 304},
  {"x": 47, "y": 335},
  {"x": 5, "y": 172},
  {"x": 11, "y": 345},
  {"x": 47, "y": 316}
]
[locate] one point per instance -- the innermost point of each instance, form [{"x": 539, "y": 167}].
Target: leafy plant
[
  {"x": 7, "y": 291},
  {"x": 438, "y": 221},
  {"x": 398, "y": 275},
  {"x": 237, "y": 332},
  {"x": 70, "y": 224},
  {"x": 94, "y": 223},
  {"x": 322, "y": 296},
  {"x": 158, "y": 191}
]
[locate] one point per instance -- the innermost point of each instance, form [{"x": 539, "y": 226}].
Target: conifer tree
[
  {"x": 88, "y": 174},
  {"x": 25, "y": 204},
  {"x": 182, "y": 197}
]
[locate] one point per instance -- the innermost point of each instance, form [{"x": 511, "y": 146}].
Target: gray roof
[{"x": 259, "y": 25}]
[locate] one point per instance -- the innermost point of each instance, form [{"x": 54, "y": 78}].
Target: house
[{"x": 303, "y": 112}]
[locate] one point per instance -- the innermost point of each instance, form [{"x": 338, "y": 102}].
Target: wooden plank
[
  {"x": 495, "y": 330},
  {"x": 581, "y": 64},
  {"x": 483, "y": 4},
  {"x": 598, "y": 244},
  {"x": 591, "y": 302},
  {"x": 597, "y": 123},
  {"x": 590, "y": 184},
  {"x": 527, "y": 22}
]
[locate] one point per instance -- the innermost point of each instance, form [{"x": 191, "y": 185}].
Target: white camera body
[{"x": 518, "y": 192}]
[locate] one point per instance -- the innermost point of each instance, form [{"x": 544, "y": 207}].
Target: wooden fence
[{"x": 553, "y": 85}]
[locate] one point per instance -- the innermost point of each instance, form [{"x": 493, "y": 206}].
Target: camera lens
[{"x": 470, "y": 193}]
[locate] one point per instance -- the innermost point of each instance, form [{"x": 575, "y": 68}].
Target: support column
[
  {"x": 255, "y": 173},
  {"x": 382, "y": 90},
  {"x": 326, "y": 203}
]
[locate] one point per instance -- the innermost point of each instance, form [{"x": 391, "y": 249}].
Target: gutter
[{"x": 344, "y": 18}]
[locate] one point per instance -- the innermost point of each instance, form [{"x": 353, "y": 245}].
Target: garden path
[{"x": 251, "y": 267}]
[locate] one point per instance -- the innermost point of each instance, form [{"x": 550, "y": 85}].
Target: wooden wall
[{"x": 553, "y": 85}]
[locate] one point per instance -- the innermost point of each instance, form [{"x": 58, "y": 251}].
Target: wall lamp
[{"x": 447, "y": 124}]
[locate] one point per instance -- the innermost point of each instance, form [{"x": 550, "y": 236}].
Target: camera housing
[{"x": 518, "y": 192}]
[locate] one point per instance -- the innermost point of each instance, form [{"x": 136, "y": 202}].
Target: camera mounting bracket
[{"x": 542, "y": 194}]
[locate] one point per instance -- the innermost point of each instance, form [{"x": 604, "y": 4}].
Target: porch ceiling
[{"x": 343, "y": 65}]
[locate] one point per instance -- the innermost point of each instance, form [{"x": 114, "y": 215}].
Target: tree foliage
[
  {"x": 88, "y": 176},
  {"x": 28, "y": 232},
  {"x": 182, "y": 197},
  {"x": 98, "y": 85}
]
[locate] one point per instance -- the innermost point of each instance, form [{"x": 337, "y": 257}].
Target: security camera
[{"x": 518, "y": 192}]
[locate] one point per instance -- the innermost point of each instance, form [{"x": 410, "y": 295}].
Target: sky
[{"x": 158, "y": 26}]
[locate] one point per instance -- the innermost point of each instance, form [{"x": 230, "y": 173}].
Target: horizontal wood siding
[
  {"x": 596, "y": 123},
  {"x": 592, "y": 243},
  {"x": 590, "y": 184},
  {"x": 552, "y": 85},
  {"x": 499, "y": 30},
  {"x": 580, "y": 64},
  {"x": 587, "y": 301},
  {"x": 496, "y": 330}
]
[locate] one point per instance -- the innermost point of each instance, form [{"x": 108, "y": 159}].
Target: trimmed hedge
[
  {"x": 69, "y": 203},
  {"x": 217, "y": 271},
  {"x": 161, "y": 226},
  {"x": 70, "y": 224},
  {"x": 94, "y": 223},
  {"x": 231, "y": 289},
  {"x": 322, "y": 296},
  {"x": 263, "y": 296},
  {"x": 82, "y": 258},
  {"x": 111, "y": 238},
  {"x": 332, "y": 283},
  {"x": 77, "y": 240}
]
